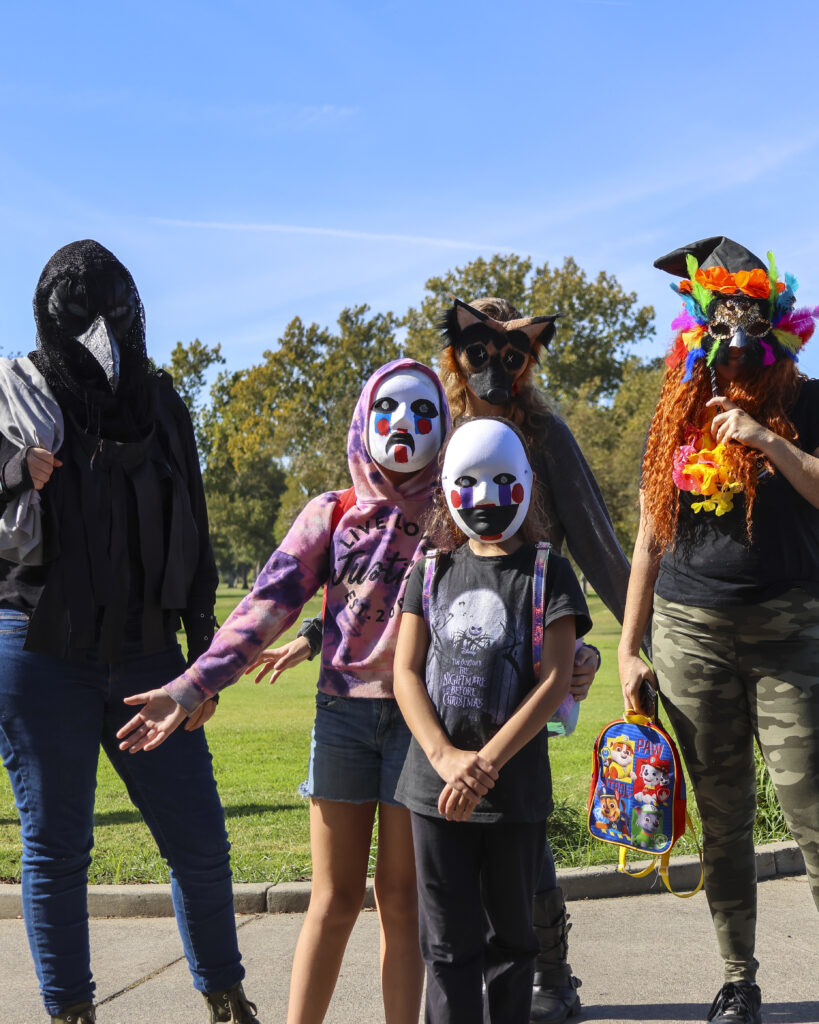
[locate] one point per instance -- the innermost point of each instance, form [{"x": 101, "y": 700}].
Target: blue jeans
[
  {"x": 54, "y": 715},
  {"x": 357, "y": 750}
]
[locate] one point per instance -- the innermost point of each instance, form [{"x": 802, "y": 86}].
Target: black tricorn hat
[{"x": 717, "y": 251}]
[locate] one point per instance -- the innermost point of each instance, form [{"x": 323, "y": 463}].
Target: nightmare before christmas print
[{"x": 479, "y": 668}]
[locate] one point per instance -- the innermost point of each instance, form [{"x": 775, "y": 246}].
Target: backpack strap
[
  {"x": 346, "y": 500},
  {"x": 430, "y": 565},
  {"x": 538, "y": 591},
  {"x": 661, "y": 864}
]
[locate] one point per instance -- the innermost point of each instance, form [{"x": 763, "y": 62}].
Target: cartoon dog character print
[
  {"x": 645, "y": 826},
  {"x": 652, "y": 778},
  {"x": 618, "y": 759},
  {"x": 609, "y": 812}
]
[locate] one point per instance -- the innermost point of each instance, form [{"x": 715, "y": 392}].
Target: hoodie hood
[
  {"x": 364, "y": 556},
  {"x": 371, "y": 484}
]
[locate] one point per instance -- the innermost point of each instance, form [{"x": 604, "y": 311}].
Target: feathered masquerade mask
[
  {"x": 731, "y": 299},
  {"x": 496, "y": 350}
]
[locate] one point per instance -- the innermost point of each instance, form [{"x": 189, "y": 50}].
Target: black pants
[{"x": 475, "y": 887}]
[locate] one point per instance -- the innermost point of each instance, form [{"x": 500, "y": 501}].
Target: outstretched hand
[
  {"x": 279, "y": 659},
  {"x": 151, "y": 726}
]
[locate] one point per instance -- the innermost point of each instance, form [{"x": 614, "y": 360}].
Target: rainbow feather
[
  {"x": 690, "y": 360},
  {"x": 785, "y": 299},
  {"x": 799, "y": 322},
  {"x": 772, "y": 278},
  {"x": 790, "y": 343},
  {"x": 685, "y": 321},
  {"x": 700, "y": 293}
]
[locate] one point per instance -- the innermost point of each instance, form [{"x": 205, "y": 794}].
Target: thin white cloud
[
  {"x": 362, "y": 236},
  {"x": 273, "y": 116},
  {"x": 693, "y": 180},
  {"x": 326, "y": 112}
]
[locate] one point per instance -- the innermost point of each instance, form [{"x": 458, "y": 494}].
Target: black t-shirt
[
  {"x": 714, "y": 566},
  {"x": 479, "y": 668}
]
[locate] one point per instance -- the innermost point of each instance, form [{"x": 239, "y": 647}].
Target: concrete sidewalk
[{"x": 648, "y": 958}]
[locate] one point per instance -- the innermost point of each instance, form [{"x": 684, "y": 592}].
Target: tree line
[{"x": 273, "y": 435}]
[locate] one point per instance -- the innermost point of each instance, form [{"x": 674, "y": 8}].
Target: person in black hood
[{"x": 104, "y": 547}]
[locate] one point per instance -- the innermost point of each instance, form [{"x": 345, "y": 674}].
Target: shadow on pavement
[{"x": 806, "y": 1012}]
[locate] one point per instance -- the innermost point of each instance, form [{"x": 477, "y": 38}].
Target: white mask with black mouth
[
  {"x": 487, "y": 480},
  {"x": 404, "y": 427}
]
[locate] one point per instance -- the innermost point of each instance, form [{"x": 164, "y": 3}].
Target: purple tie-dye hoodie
[{"x": 365, "y": 562}]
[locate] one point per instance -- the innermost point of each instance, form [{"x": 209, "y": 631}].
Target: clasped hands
[{"x": 468, "y": 778}]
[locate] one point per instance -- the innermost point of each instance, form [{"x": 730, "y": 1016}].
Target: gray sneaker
[
  {"x": 80, "y": 1013},
  {"x": 231, "y": 1007}
]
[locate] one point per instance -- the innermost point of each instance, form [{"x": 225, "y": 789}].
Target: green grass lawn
[{"x": 260, "y": 739}]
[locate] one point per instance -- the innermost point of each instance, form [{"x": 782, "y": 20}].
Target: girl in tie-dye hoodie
[{"x": 364, "y": 554}]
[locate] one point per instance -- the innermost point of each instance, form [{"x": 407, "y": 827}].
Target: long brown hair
[{"x": 765, "y": 393}]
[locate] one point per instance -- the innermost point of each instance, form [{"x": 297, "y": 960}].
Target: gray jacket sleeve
[{"x": 578, "y": 513}]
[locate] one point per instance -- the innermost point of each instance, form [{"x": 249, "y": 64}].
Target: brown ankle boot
[{"x": 231, "y": 1007}]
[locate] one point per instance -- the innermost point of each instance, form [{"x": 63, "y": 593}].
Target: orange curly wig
[{"x": 765, "y": 393}]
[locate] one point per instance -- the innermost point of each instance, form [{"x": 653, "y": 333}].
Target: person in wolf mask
[
  {"x": 103, "y": 547},
  {"x": 363, "y": 550},
  {"x": 728, "y": 556}
]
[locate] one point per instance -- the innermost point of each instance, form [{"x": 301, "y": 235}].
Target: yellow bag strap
[{"x": 661, "y": 864}]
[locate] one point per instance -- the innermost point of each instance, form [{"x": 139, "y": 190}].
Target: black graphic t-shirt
[{"x": 479, "y": 668}]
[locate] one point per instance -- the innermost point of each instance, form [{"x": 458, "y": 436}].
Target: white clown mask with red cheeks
[
  {"x": 487, "y": 480},
  {"x": 404, "y": 428}
]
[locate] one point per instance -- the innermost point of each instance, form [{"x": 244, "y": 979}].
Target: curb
[{"x": 602, "y": 881}]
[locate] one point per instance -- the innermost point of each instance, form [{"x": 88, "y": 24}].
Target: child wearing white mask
[{"x": 477, "y": 777}]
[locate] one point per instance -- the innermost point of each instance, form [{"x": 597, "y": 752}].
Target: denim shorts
[{"x": 357, "y": 751}]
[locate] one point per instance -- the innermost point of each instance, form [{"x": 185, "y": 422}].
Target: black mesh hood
[{"x": 81, "y": 281}]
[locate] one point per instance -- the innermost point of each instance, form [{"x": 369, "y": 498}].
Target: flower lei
[
  {"x": 699, "y": 465},
  {"x": 790, "y": 328}
]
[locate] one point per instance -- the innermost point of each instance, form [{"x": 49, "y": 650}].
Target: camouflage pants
[{"x": 728, "y": 676}]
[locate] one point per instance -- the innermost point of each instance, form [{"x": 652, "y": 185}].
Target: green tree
[
  {"x": 188, "y": 367},
  {"x": 612, "y": 436},
  {"x": 599, "y": 324},
  {"x": 279, "y": 429},
  {"x": 297, "y": 404},
  {"x": 243, "y": 493}
]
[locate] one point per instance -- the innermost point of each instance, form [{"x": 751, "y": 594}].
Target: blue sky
[{"x": 250, "y": 162}]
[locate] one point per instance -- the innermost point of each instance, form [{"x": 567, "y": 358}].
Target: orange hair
[{"x": 766, "y": 393}]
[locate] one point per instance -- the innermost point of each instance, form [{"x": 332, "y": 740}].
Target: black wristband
[{"x": 311, "y": 630}]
